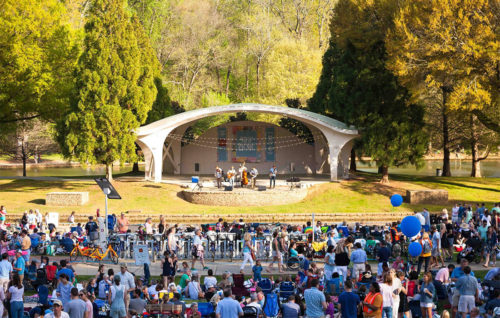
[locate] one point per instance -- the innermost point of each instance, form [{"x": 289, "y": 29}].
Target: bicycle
[
  {"x": 99, "y": 255},
  {"x": 78, "y": 251}
]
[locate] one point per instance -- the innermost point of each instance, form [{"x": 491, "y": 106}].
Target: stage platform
[{"x": 209, "y": 181}]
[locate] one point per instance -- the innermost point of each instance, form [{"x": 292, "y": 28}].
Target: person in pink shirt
[{"x": 443, "y": 275}]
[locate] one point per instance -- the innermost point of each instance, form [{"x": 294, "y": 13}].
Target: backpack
[
  {"x": 271, "y": 306},
  {"x": 426, "y": 247}
]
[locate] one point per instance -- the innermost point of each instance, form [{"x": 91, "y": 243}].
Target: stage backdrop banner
[
  {"x": 222, "y": 145},
  {"x": 246, "y": 143},
  {"x": 270, "y": 155}
]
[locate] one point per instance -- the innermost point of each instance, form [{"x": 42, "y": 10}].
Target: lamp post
[{"x": 106, "y": 192}]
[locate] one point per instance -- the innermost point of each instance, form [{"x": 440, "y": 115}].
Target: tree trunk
[
  {"x": 385, "y": 175},
  {"x": 24, "y": 165},
  {"x": 476, "y": 161},
  {"x": 135, "y": 167},
  {"x": 258, "y": 76},
  {"x": 109, "y": 172},
  {"x": 352, "y": 166},
  {"x": 227, "y": 79},
  {"x": 446, "y": 141}
]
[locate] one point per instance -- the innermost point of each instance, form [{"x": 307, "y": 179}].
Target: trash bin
[{"x": 439, "y": 173}]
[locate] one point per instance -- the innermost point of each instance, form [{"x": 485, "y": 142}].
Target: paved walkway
[{"x": 219, "y": 267}]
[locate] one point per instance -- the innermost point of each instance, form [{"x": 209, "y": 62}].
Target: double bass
[{"x": 244, "y": 178}]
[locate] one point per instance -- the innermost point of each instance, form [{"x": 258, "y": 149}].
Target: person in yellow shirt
[{"x": 425, "y": 256}]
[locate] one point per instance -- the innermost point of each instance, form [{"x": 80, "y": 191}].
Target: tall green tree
[
  {"x": 357, "y": 88},
  {"x": 115, "y": 88},
  {"x": 451, "y": 46},
  {"x": 38, "y": 53}
]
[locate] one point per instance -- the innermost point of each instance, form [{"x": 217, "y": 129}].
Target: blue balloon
[
  {"x": 410, "y": 226},
  {"x": 396, "y": 200},
  {"x": 415, "y": 249}
]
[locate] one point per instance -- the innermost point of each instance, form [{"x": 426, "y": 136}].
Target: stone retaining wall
[
  {"x": 245, "y": 197},
  {"x": 66, "y": 198},
  {"x": 426, "y": 196},
  {"x": 295, "y": 218}
]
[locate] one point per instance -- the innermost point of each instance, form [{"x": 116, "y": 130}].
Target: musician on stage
[
  {"x": 218, "y": 176},
  {"x": 272, "y": 177},
  {"x": 243, "y": 175},
  {"x": 253, "y": 175},
  {"x": 231, "y": 174}
]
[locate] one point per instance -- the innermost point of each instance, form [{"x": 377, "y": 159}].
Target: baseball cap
[
  {"x": 57, "y": 302},
  {"x": 123, "y": 265}
]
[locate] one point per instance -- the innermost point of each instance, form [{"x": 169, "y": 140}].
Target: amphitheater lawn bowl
[{"x": 360, "y": 194}]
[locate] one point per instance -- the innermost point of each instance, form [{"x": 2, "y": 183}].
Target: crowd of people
[{"x": 340, "y": 282}]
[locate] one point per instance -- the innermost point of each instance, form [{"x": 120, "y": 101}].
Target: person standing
[
  {"x": 427, "y": 291},
  {"x": 127, "y": 280},
  {"x": 427, "y": 217},
  {"x": 372, "y": 305},
  {"x": 383, "y": 255},
  {"x": 231, "y": 174},
  {"x": 123, "y": 223},
  {"x": 425, "y": 256},
  {"x": 436, "y": 248},
  {"x": 228, "y": 307},
  {"x": 76, "y": 308},
  {"x": 5, "y": 271},
  {"x": 88, "y": 303},
  {"x": 20, "y": 264},
  {"x": 63, "y": 290},
  {"x": 277, "y": 254},
  {"x": 247, "y": 251},
  {"x": 315, "y": 301},
  {"x": 198, "y": 250},
  {"x": 386, "y": 288},
  {"x": 468, "y": 288},
  {"x": 329, "y": 268},
  {"x": 359, "y": 259},
  {"x": 272, "y": 177},
  {"x": 218, "y": 176},
  {"x": 291, "y": 309},
  {"x": 348, "y": 301},
  {"x": 490, "y": 247},
  {"x": 26, "y": 245},
  {"x": 15, "y": 295},
  {"x": 116, "y": 298}
]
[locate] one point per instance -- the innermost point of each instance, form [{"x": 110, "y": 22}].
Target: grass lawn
[{"x": 360, "y": 194}]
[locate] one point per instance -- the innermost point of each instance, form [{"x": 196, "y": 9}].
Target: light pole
[{"x": 106, "y": 192}]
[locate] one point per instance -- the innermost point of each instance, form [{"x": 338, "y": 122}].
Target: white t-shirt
[
  {"x": 487, "y": 219},
  {"x": 194, "y": 288},
  {"x": 16, "y": 293},
  {"x": 421, "y": 218},
  {"x": 396, "y": 284},
  {"x": 387, "y": 292},
  {"x": 210, "y": 280},
  {"x": 63, "y": 315}
]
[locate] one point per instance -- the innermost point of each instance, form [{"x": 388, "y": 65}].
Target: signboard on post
[{"x": 141, "y": 255}]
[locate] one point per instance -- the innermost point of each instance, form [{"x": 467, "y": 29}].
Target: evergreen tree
[
  {"x": 115, "y": 88},
  {"x": 358, "y": 89}
]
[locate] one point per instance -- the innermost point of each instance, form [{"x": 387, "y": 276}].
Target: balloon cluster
[{"x": 410, "y": 226}]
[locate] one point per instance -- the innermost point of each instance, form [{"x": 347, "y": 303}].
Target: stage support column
[
  {"x": 154, "y": 157},
  {"x": 336, "y": 142}
]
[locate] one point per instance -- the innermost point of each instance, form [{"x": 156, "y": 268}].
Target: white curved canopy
[{"x": 152, "y": 137}]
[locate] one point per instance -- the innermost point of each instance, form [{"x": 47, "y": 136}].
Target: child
[
  {"x": 257, "y": 270},
  {"x": 185, "y": 267},
  {"x": 330, "y": 309}
]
